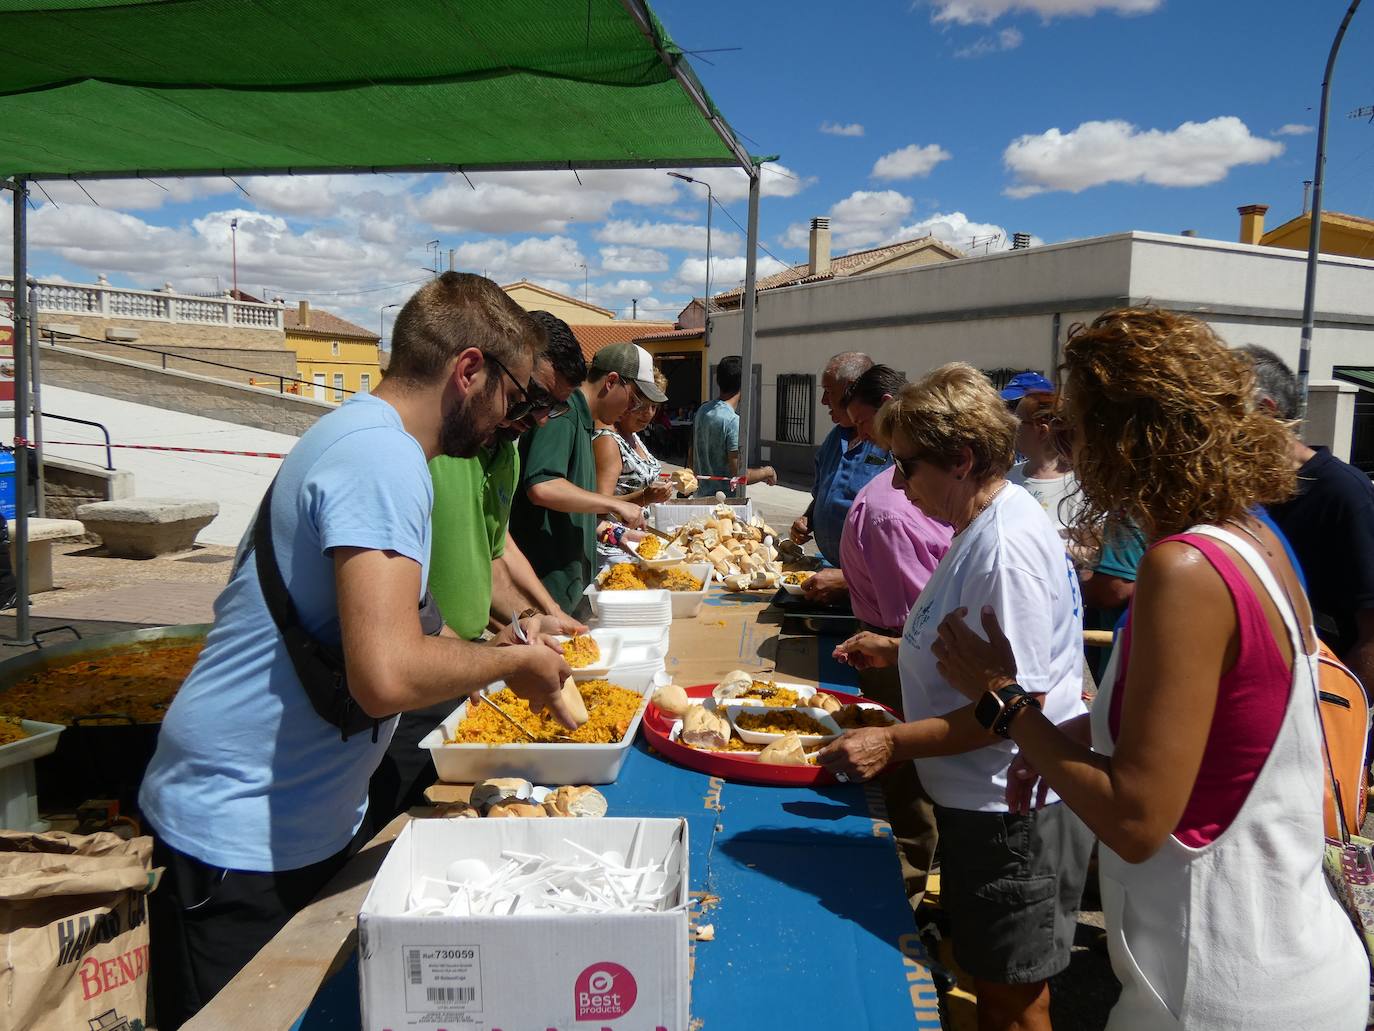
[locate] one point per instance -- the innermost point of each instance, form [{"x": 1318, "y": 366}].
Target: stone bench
[
  {"x": 147, "y": 527},
  {"x": 43, "y": 533}
]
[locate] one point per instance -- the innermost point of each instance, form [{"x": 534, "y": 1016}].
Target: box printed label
[
  {"x": 604, "y": 991},
  {"x": 443, "y": 977}
]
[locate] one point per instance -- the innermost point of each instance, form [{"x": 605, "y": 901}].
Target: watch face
[{"x": 987, "y": 710}]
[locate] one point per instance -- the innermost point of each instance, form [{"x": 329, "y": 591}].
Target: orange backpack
[{"x": 1344, "y": 710}]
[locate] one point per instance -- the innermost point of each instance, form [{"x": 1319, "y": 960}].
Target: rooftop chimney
[
  {"x": 303, "y": 315},
  {"x": 1252, "y": 222},
  {"x": 820, "y": 247}
]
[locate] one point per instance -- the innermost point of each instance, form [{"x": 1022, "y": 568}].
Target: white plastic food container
[
  {"x": 609, "y": 643},
  {"x": 685, "y": 604},
  {"x": 669, "y": 515},
  {"x": 758, "y": 737},
  {"x": 541, "y": 763}
]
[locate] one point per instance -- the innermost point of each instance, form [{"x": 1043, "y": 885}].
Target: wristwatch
[{"x": 996, "y": 709}]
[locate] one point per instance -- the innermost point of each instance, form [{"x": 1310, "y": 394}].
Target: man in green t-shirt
[{"x": 556, "y": 506}]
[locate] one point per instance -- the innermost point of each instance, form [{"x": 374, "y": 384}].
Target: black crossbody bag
[{"x": 319, "y": 667}]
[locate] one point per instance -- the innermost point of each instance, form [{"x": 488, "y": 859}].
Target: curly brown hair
[{"x": 1171, "y": 436}]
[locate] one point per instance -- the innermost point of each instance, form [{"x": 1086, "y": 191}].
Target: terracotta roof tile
[
  {"x": 594, "y": 338},
  {"x": 852, "y": 264},
  {"x": 672, "y": 334},
  {"x": 322, "y": 323}
]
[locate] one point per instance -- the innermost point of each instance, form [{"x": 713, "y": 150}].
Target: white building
[{"x": 1011, "y": 311}]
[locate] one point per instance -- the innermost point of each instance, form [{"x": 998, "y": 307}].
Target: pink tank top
[{"x": 1251, "y": 701}]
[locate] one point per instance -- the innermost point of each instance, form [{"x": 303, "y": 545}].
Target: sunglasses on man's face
[{"x": 522, "y": 408}]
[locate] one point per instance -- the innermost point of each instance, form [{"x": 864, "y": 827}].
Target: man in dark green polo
[{"x": 556, "y": 507}]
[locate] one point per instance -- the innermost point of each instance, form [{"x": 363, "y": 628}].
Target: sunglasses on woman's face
[{"x": 906, "y": 467}]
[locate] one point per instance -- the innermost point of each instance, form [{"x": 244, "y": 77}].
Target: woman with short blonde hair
[
  {"x": 1010, "y": 882},
  {"x": 1201, "y": 767}
]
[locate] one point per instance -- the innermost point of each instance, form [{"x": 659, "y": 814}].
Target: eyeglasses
[
  {"x": 526, "y": 404},
  {"x": 906, "y": 467},
  {"x": 546, "y": 404}
]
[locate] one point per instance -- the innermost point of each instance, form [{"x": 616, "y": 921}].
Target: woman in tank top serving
[{"x": 1200, "y": 767}]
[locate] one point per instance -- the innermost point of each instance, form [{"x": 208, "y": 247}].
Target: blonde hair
[
  {"x": 1171, "y": 433},
  {"x": 949, "y": 409},
  {"x": 660, "y": 381}
]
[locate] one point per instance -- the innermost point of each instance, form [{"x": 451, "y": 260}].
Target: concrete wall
[
  {"x": 1013, "y": 310},
  {"x": 180, "y": 391},
  {"x": 157, "y": 333},
  {"x": 263, "y": 363},
  {"x": 67, "y": 485}
]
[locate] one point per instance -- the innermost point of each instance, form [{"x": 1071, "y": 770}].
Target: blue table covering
[{"x": 812, "y": 928}]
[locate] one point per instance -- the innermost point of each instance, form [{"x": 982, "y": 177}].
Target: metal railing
[
  {"x": 101, "y": 300},
  {"x": 339, "y": 392},
  {"x": 109, "y": 455}
]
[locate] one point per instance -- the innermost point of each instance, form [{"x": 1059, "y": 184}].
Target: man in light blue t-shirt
[
  {"x": 715, "y": 438},
  {"x": 252, "y": 797}
]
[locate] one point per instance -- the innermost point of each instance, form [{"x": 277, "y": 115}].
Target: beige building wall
[
  {"x": 571, "y": 310},
  {"x": 151, "y": 333}
]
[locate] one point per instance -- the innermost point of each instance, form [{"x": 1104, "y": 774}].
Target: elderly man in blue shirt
[{"x": 844, "y": 464}]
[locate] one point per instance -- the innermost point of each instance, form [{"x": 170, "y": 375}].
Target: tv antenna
[{"x": 1363, "y": 112}]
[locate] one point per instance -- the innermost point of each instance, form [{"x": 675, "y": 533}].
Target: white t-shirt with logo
[
  {"x": 1012, "y": 558},
  {"x": 1051, "y": 494}
]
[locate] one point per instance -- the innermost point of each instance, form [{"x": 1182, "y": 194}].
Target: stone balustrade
[{"x": 165, "y": 305}]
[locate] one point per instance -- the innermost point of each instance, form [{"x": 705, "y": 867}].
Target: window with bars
[
  {"x": 796, "y": 408},
  {"x": 338, "y": 386}
]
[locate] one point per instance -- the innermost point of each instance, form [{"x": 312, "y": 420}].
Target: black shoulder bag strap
[{"x": 319, "y": 668}]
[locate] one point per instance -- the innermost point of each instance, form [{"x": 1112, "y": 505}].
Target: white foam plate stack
[{"x": 630, "y": 608}]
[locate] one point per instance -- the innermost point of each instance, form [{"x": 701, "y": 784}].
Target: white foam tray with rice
[
  {"x": 553, "y": 763},
  {"x": 685, "y": 604}
]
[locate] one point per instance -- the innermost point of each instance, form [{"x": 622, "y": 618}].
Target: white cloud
[
  {"x": 539, "y": 202},
  {"x": 633, "y": 259},
  {"x": 910, "y": 162},
  {"x": 1194, "y": 154},
  {"x": 864, "y": 218},
  {"x": 839, "y": 129},
  {"x": 1293, "y": 129},
  {"x": 732, "y": 184},
  {"x": 984, "y": 12},
  {"x": 957, "y": 229},
  {"x": 726, "y": 273},
  {"x": 1006, "y": 39},
  {"x": 534, "y": 258},
  {"x": 625, "y": 288},
  {"x": 130, "y": 194},
  {"x": 668, "y": 234}
]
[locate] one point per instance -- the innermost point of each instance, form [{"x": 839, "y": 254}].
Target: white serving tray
[
  {"x": 538, "y": 763},
  {"x": 758, "y": 737},
  {"x": 685, "y": 604},
  {"x": 609, "y": 643},
  {"x": 41, "y": 741}
]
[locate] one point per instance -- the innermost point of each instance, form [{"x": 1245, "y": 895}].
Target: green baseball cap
[{"x": 630, "y": 362}]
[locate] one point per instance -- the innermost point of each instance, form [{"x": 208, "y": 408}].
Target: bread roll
[
  {"x": 500, "y": 789},
  {"x": 828, "y": 702},
  {"x": 672, "y": 699},
  {"x": 787, "y": 751},
  {"x": 516, "y": 809},
  {"x": 582, "y": 801},
  {"x": 702, "y": 728},
  {"x": 736, "y": 683}
]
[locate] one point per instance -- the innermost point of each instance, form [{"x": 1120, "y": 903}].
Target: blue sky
[{"x": 972, "y": 119}]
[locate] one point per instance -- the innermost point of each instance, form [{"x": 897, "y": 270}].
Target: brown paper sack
[{"x": 74, "y": 931}]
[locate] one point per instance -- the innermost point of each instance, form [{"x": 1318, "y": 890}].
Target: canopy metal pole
[
  {"x": 22, "y": 316},
  {"x": 747, "y": 400},
  {"x": 40, "y": 491},
  {"x": 1314, "y": 236}
]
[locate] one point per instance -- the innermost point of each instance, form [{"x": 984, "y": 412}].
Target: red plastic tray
[{"x": 744, "y": 768}]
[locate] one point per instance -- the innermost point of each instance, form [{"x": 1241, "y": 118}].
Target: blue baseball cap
[{"x": 1024, "y": 383}]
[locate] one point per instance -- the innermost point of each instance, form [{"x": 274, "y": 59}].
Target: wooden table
[{"x": 802, "y": 886}]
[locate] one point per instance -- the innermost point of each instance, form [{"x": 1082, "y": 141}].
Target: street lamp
[
  {"x": 380, "y": 324},
  {"x": 706, "y": 300},
  {"x": 586, "y": 276},
  {"x": 234, "y": 246}
]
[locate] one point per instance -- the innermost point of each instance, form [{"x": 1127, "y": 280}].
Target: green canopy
[{"x": 93, "y": 88}]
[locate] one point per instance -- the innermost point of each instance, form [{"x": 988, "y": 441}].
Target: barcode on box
[
  {"x": 416, "y": 974},
  {"x": 450, "y": 994}
]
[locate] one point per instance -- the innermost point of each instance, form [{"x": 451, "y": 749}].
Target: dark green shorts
[{"x": 1011, "y": 885}]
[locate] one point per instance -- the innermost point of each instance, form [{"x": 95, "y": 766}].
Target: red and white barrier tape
[{"x": 20, "y": 442}]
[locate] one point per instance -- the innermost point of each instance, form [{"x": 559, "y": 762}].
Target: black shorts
[{"x": 1011, "y": 886}]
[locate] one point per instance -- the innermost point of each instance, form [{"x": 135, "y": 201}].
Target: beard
[{"x": 466, "y": 427}]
